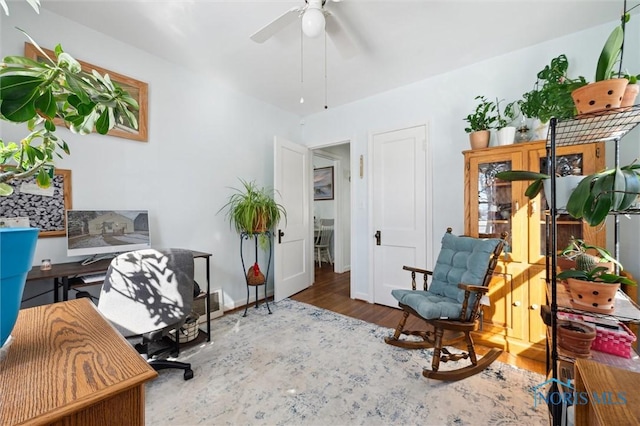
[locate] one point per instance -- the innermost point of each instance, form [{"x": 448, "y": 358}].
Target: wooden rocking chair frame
[{"x": 462, "y": 326}]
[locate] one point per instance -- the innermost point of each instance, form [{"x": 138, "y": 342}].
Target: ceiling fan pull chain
[
  {"x": 325, "y": 70},
  {"x": 301, "y": 66}
]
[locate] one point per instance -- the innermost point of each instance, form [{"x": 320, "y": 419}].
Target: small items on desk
[{"x": 46, "y": 265}]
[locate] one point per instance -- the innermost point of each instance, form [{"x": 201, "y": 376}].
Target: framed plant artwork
[
  {"x": 323, "y": 183},
  {"x": 137, "y": 89}
]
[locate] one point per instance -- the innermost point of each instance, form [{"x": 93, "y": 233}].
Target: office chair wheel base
[{"x": 188, "y": 374}]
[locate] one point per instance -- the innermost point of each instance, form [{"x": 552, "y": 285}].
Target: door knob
[
  {"x": 280, "y": 235},
  {"x": 377, "y": 236},
  {"x": 534, "y": 307},
  {"x": 516, "y": 303}
]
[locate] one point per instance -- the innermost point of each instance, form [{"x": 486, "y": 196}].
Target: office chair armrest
[{"x": 413, "y": 271}]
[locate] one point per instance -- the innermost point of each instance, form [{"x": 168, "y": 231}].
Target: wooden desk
[
  {"x": 606, "y": 383},
  {"x": 61, "y": 273},
  {"x": 68, "y": 365}
]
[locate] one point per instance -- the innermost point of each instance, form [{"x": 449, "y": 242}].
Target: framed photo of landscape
[
  {"x": 323, "y": 183},
  {"x": 137, "y": 89}
]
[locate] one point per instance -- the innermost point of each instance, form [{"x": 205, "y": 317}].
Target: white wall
[
  {"x": 443, "y": 101},
  {"x": 202, "y": 136}
]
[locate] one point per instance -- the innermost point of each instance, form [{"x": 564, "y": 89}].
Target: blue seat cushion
[
  {"x": 427, "y": 304},
  {"x": 461, "y": 260}
]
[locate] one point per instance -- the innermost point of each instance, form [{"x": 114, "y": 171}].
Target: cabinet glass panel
[
  {"x": 494, "y": 201},
  {"x": 568, "y": 227}
]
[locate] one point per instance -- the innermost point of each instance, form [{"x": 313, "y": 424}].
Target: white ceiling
[{"x": 398, "y": 42}]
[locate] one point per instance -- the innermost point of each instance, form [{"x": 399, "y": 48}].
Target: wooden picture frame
[
  {"x": 52, "y": 222},
  {"x": 137, "y": 89},
  {"x": 323, "y": 187}
]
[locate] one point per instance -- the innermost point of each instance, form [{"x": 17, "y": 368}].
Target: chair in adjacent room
[
  {"x": 451, "y": 302},
  {"x": 145, "y": 295},
  {"x": 322, "y": 243}
]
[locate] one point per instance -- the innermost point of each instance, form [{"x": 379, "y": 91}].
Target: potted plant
[
  {"x": 17, "y": 247},
  {"x": 576, "y": 337},
  {"x": 598, "y": 194},
  {"x": 252, "y": 210},
  {"x": 609, "y": 86},
  {"x": 580, "y": 255},
  {"x": 551, "y": 95},
  {"x": 564, "y": 184},
  {"x": 481, "y": 120},
  {"x": 36, "y": 93},
  {"x": 631, "y": 92},
  {"x": 594, "y": 290},
  {"x": 505, "y": 131}
]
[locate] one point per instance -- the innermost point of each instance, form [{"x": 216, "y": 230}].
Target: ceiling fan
[{"x": 315, "y": 19}]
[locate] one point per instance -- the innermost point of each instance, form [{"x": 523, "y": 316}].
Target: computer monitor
[{"x": 104, "y": 233}]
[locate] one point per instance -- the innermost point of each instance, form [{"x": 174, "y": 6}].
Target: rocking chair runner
[{"x": 452, "y": 302}]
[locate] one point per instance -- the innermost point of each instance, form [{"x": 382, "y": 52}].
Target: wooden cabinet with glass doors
[{"x": 493, "y": 206}]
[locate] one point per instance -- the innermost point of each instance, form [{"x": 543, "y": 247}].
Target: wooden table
[
  {"x": 612, "y": 395},
  {"x": 68, "y": 365}
]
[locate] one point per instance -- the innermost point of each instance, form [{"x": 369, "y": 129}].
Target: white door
[
  {"x": 293, "y": 260},
  {"x": 398, "y": 209}
]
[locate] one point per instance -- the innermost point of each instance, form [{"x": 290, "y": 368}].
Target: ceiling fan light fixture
[{"x": 313, "y": 22}]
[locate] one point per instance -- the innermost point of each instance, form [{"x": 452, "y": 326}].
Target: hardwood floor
[{"x": 331, "y": 291}]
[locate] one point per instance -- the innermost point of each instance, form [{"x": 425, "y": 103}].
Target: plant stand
[{"x": 256, "y": 283}]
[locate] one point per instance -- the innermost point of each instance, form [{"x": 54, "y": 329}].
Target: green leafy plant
[
  {"x": 484, "y": 116},
  {"x": 551, "y": 95},
  {"x": 578, "y": 250},
  {"x": 36, "y": 93},
  {"x": 515, "y": 175},
  {"x": 598, "y": 194},
  {"x": 633, "y": 79},
  {"x": 597, "y": 274},
  {"x": 612, "y": 51},
  {"x": 252, "y": 209},
  {"x": 508, "y": 114}
]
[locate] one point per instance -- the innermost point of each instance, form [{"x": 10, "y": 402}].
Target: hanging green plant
[
  {"x": 253, "y": 210},
  {"x": 598, "y": 194}
]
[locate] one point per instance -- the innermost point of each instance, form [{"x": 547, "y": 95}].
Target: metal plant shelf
[{"x": 597, "y": 127}]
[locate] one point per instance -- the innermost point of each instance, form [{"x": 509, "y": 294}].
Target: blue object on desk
[{"x": 17, "y": 247}]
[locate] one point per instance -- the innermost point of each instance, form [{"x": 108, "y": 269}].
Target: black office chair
[{"x": 146, "y": 294}]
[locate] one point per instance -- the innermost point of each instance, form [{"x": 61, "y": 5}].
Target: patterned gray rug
[{"x": 307, "y": 366}]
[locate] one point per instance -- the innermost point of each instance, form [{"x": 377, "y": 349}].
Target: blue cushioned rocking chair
[{"x": 451, "y": 302}]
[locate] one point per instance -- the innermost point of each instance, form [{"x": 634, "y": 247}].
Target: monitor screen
[{"x": 96, "y": 232}]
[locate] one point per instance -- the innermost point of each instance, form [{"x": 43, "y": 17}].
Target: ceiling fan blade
[
  {"x": 340, "y": 38},
  {"x": 266, "y": 32}
]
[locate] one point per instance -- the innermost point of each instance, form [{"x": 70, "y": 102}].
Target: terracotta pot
[
  {"x": 565, "y": 264},
  {"x": 630, "y": 94},
  {"x": 599, "y": 96},
  {"x": 479, "y": 139},
  {"x": 593, "y": 296},
  {"x": 575, "y": 337}
]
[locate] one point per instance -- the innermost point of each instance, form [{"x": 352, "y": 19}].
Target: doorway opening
[{"x": 333, "y": 207}]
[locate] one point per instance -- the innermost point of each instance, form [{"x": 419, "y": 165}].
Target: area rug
[{"x": 304, "y": 365}]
